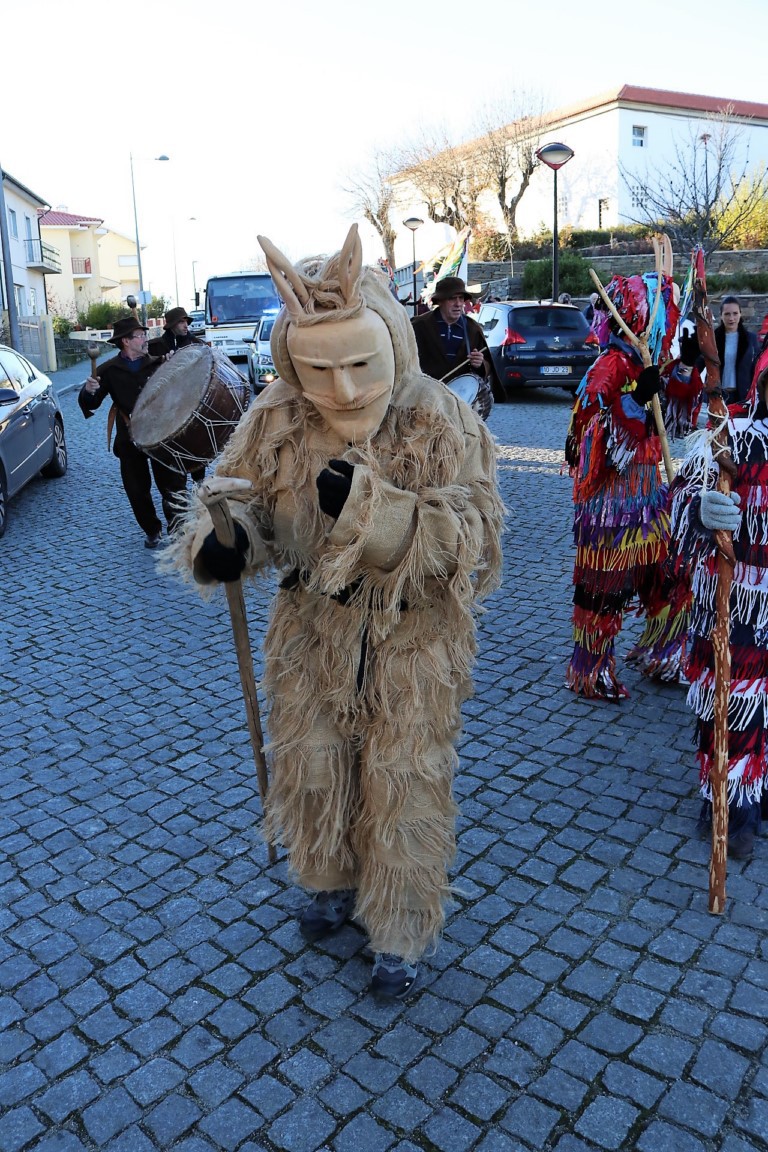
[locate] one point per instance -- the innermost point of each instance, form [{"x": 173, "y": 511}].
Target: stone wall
[{"x": 69, "y": 351}]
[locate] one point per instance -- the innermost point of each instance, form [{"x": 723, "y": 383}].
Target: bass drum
[
  {"x": 475, "y": 391},
  {"x": 189, "y": 408}
]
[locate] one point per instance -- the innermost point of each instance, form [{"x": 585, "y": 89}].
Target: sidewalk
[{"x": 69, "y": 379}]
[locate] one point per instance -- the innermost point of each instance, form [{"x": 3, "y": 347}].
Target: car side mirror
[
  {"x": 250, "y": 341},
  {"x": 8, "y": 396}
]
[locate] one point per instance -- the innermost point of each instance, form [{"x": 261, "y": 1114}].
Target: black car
[{"x": 538, "y": 345}]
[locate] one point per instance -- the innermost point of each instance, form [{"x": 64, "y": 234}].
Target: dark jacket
[
  {"x": 433, "y": 360},
  {"x": 170, "y": 342},
  {"x": 748, "y": 349},
  {"x": 122, "y": 386}
]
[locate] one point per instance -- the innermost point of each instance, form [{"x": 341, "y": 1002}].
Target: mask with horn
[
  {"x": 339, "y": 349},
  {"x": 635, "y": 300}
]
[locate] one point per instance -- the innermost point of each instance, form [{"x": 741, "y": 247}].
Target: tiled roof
[
  {"x": 66, "y": 220},
  {"x": 663, "y": 98}
]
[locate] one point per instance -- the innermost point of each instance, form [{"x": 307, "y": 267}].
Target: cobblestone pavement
[{"x": 154, "y": 990}]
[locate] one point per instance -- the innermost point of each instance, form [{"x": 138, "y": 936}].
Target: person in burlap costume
[{"x": 374, "y": 495}]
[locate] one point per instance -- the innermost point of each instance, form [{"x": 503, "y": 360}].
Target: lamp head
[{"x": 555, "y": 155}]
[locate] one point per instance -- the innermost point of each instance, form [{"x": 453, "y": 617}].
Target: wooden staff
[
  {"x": 641, "y": 344},
  {"x": 726, "y": 561},
  {"x": 93, "y": 354},
  {"x": 214, "y": 492}
]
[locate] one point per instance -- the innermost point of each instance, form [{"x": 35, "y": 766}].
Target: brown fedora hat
[
  {"x": 451, "y": 286},
  {"x": 175, "y": 315},
  {"x": 125, "y": 326}
]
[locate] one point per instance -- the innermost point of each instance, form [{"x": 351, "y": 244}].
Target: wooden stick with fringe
[
  {"x": 726, "y": 562},
  {"x": 662, "y": 250},
  {"x": 213, "y": 493}
]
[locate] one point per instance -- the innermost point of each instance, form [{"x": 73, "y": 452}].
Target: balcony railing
[
  {"x": 81, "y": 265},
  {"x": 42, "y": 256}
]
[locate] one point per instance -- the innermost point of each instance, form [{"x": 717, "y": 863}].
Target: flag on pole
[{"x": 454, "y": 260}]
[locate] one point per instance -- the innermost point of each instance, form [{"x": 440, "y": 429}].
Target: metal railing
[
  {"x": 81, "y": 265},
  {"x": 42, "y": 255}
]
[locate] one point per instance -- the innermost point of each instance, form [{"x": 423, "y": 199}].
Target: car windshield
[
  {"x": 233, "y": 299},
  {"x": 546, "y": 319},
  {"x": 265, "y": 331}
]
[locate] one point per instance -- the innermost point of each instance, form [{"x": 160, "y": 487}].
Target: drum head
[
  {"x": 171, "y": 395},
  {"x": 465, "y": 387}
]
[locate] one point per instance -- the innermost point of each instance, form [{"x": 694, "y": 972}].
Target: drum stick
[
  {"x": 213, "y": 495},
  {"x": 454, "y": 370},
  {"x": 93, "y": 355}
]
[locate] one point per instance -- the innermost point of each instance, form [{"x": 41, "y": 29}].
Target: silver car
[
  {"x": 31, "y": 428},
  {"x": 197, "y": 322}
]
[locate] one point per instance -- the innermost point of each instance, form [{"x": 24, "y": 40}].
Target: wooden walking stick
[
  {"x": 662, "y": 249},
  {"x": 726, "y": 561},
  {"x": 214, "y": 492}
]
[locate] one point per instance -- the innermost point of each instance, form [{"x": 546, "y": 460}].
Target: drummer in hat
[
  {"x": 121, "y": 380},
  {"x": 449, "y": 341},
  {"x": 175, "y": 335}
]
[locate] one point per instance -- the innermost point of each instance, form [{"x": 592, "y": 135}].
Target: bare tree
[
  {"x": 373, "y": 196},
  {"x": 704, "y": 195},
  {"x": 509, "y": 132},
  {"x": 446, "y": 177}
]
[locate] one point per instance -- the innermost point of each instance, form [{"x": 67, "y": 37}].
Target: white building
[
  {"x": 29, "y": 258},
  {"x": 634, "y": 129},
  {"x": 25, "y": 262}
]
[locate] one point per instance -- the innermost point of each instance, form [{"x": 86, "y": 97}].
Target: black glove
[
  {"x": 333, "y": 487},
  {"x": 224, "y": 563},
  {"x": 648, "y": 384},
  {"x": 689, "y": 349}
]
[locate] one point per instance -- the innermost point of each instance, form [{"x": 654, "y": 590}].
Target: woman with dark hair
[{"x": 738, "y": 350}]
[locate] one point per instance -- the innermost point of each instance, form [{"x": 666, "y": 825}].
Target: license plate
[{"x": 556, "y": 370}]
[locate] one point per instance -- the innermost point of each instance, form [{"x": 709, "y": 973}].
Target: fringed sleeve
[
  {"x": 683, "y": 391},
  {"x": 401, "y": 539}
]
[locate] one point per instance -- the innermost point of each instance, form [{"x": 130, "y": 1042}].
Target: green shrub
[
  {"x": 737, "y": 282},
  {"x": 101, "y": 314},
  {"x": 61, "y": 326},
  {"x": 573, "y": 276}
]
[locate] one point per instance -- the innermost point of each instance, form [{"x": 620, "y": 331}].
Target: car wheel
[
  {"x": 58, "y": 462},
  {"x": 3, "y": 503}
]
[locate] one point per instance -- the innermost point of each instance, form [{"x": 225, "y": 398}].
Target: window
[
  {"x": 638, "y": 200},
  {"x": 13, "y": 226},
  {"x": 638, "y": 136}
]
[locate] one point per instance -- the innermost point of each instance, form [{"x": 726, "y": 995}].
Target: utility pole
[{"x": 5, "y": 251}]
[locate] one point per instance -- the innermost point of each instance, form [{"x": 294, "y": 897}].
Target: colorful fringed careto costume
[
  {"x": 621, "y": 525},
  {"x": 748, "y": 703},
  {"x": 372, "y": 636}
]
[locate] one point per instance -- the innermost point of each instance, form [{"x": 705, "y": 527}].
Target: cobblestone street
[{"x": 155, "y": 993}]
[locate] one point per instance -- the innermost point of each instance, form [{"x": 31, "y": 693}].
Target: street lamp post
[
  {"x": 138, "y": 243},
  {"x": 555, "y": 156},
  {"x": 412, "y": 223}
]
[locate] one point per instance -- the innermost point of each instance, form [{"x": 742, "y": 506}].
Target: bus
[{"x": 234, "y": 306}]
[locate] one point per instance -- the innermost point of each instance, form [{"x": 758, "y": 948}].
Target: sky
[{"x": 266, "y": 110}]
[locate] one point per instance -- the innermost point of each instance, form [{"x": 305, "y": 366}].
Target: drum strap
[{"x": 113, "y": 414}]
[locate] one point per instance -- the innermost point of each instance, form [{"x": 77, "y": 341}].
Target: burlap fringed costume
[{"x": 372, "y": 638}]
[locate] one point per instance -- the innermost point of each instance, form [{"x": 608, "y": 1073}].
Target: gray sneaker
[
  {"x": 326, "y": 914},
  {"x": 392, "y": 977}
]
